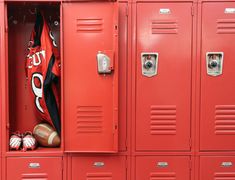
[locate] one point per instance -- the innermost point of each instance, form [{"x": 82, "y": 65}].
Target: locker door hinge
[
  {"x": 6, "y": 29},
  {"x": 126, "y": 164},
  {"x": 62, "y": 165},
  {"x": 127, "y": 10},
  {"x": 190, "y": 164},
  {"x": 192, "y": 10},
  {"x": 190, "y": 143},
  {"x": 8, "y": 125}
]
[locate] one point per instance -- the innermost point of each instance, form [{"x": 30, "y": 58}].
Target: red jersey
[{"x": 43, "y": 72}]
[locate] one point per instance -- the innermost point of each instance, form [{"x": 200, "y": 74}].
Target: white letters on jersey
[{"x": 37, "y": 90}]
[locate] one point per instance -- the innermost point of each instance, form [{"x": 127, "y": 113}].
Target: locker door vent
[
  {"x": 224, "y": 176},
  {"x": 164, "y": 27},
  {"x": 34, "y": 176},
  {"x": 163, "y": 120},
  {"x": 165, "y": 176},
  {"x": 89, "y": 25},
  {"x": 89, "y": 119},
  {"x": 226, "y": 26},
  {"x": 225, "y": 119},
  {"x": 99, "y": 176}
]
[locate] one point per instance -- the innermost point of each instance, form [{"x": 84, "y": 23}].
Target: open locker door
[{"x": 90, "y": 72}]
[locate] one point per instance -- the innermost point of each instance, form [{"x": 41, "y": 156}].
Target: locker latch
[
  {"x": 214, "y": 63},
  {"x": 105, "y": 62},
  {"x": 149, "y": 64}
]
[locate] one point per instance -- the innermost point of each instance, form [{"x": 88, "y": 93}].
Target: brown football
[{"x": 46, "y": 135}]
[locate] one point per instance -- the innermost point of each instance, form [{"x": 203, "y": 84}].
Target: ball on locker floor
[{"x": 46, "y": 135}]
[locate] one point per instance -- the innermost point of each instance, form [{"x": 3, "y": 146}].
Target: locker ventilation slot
[
  {"x": 89, "y": 25},
  {"x": 226, "y": 26},
  {"x": 89, "y": 119},
  {"x": 163, "y": 120},
  {"x": 224, "y": 176},
  {"x": 161, "y": 176},
  {"x": 31, "y": 176},
  {"x": 225, "y": 119},
  {"x": 99, "y": 176},
  {"x": 164, "y": 27}
]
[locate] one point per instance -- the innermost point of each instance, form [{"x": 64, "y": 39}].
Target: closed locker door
[
  {"x": 163, "y": 82},
  {"x": 90, "y": 76},
  {"x": 217, "y": 168},
  {"x": 162, "y": 168},
  {"x": 217, "y": 119}
]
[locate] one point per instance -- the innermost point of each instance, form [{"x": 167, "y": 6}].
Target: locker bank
[{"x": 146, "y": 90}]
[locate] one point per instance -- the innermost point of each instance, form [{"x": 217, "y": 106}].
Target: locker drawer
[
  {"x": 162, "y": 167},
  {"x": 99, "y": 167},
  {"x": 29, "y": 168},
  {"x": 215, "y": 168}
]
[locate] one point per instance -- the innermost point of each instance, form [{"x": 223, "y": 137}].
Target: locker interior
[{"x": 20, "y": 22}]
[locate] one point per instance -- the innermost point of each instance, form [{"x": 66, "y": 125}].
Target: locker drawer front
[
  {"x": 40, "y": 168},
  {"x": 162, "y": 167},
  {"x": 217, "y": 168},
  {"x": 99, "y": 168}
]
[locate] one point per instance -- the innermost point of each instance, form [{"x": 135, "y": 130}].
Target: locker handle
[
  {"x": 226, "y": 164},
  {"x": 105, "y": 62},
  {"x": 162, "y": 164},
  {"x": 34, "y": 165},
  {"x": 98, "y": 164}
]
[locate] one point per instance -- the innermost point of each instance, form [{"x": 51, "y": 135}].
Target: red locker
[
  {"x": 99, "y": 167},
  {"x": 217, "y": 118},
  {"x": 123, "y": 74},
  {"x": 18, "y": 110},
  {"x": 162, "y": 167},
  {"x": 90, "y": 76},
  {"x": 163, "y": 82},
  {"x": 215, "y": 168},
  {"x": 41, "y": 168}
]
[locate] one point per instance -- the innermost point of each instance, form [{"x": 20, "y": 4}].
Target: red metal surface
[
  {"x": 162, "y": 167},
  {"x": 1, "y": 59},
  {"x": 217, "y": 167},
  {"x": 99, "y": 167},
  {"x": 91, "y": 104},
  {"x": 34, "y": 168},
  {"x": 163, "y": 102},
  {"x": 181, "y": 85},
  {"x": 217, "y": 128},
  {"x": 123, "y": 75}
]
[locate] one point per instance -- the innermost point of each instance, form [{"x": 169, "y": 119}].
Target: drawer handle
[
  {"x": 98, "y": 164},
  {"x": 34, "y": 165},
  {"x": 226, "y": 164},
  {"x": 162, "y": 164}
]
